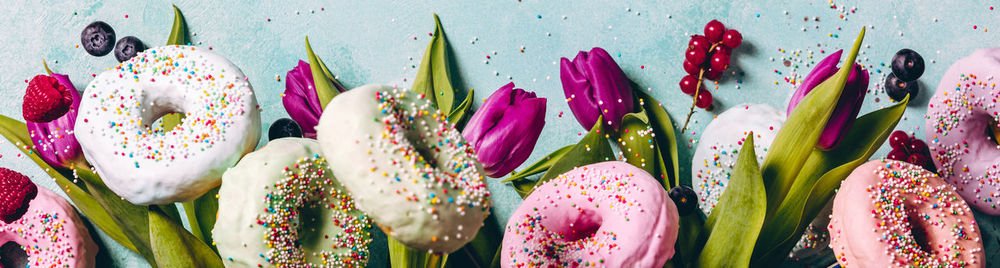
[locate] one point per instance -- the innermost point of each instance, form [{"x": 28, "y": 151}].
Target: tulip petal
[
  {"x": 300, "y": 100},
  {"x": 848, "y": 107},
  {"x": 823, "y": 70},
  {"x": 513, "y": 138},
  {"x": 488, "y": 115},
  {"x": 595, "y": 85},
  {"x": 577, "y": 88},
  {"x": 54, "y": 141}
]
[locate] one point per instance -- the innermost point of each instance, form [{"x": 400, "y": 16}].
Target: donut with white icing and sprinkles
[
  {"x": 721, "y": 142},
  {"x": 49, "y": 233},
  {"x": 889, "y": 213},
  {"x": 608, "y": 214},
  {"x": 962, "y": 126},
  {"x": 406, "y": 166},
  {"x": 137, "y": 157},
  {"x": 281, "y": 206}
]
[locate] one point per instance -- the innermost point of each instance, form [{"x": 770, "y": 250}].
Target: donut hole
[
  {"x": 993, "y": 131},
  {"x": 918, "y": 231},
  {"x": 162, "y": 110},
  {"x": 580, "y": 225},
  {"x": 12, "y": 255},
  {"x": 310, "y": 225}
]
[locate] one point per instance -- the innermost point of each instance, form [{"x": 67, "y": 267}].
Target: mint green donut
[{"x": 281, "y": 207}]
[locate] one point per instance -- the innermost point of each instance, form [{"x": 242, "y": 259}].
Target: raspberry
[
  {"x": 16, "y": 190},
  {"x": 45, "y": 99}
]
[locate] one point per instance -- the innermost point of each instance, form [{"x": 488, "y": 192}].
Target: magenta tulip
[
  {"x": 301, "y": 101},
  {"x": 54, "y": 140},
  {"x": 848, "y": 105},
  {"x": 594, "y": 85},
  {"x": 504, "y": 130}
]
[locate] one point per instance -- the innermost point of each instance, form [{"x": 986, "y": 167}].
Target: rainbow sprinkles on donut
[{"x": 173, "y": 156}]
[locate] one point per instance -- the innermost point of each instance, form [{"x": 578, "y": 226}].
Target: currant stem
[{"x": 697, "y": 89}]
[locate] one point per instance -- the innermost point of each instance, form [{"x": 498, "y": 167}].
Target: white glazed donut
[
  {"x": 720, "y": 144},
  {"x": 406, "y": 166},
  {"x": 143, "y": 163}
]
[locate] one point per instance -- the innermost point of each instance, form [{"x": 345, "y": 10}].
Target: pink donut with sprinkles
[
  {"x": 608, "y": 214},
  {"x": 961, "y": 127},
  {"x": 145, "y": 161},
  {"x": 895, "y": 214},
  {"x": 49, "y": 233}
]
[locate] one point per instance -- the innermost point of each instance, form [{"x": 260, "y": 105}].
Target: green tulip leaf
[
  {"x": 131, "y": 218},
  {"x": 179, "y": 33},
  {"x": 820, "y": 176},
  {"x": 797, "y": 137},
  {"x": 325, "y": 89},
  {"x": 593, "y": 148},
  {"x": 482, "y": 249},
  {"x": 329, "y": 75},
  {"x": 201, "y": 215},
  {"x": 541, "y": 165},
  {"x": 458, "y": 114},
  {"x": 666, "y": 139},
  {"x": 637, "y": 144},
  {"x": 17, "y": 133},
  {"x": 173, "y": 246},
  {"x": 738, "y": 216},
  {"x": 402, "y": 256},
  {"x": 691, "y": 238},
  {"x": 434, "y": 75}
]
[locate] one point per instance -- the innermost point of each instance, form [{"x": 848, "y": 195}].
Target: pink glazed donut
[
  {"x": 608, "y": 214},
  {"x": 895, "y": 214},
  {"x": 961, "y": 117},
  {"x": 48, "y": 234}
]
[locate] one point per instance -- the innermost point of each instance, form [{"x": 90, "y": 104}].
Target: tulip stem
[{"x": 697, "y": 89}]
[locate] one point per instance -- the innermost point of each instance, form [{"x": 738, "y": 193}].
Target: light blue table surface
[{"x": 383, "y": 42}]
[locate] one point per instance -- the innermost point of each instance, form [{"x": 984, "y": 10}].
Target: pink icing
[
  {"x": 51, "y": 234},
  {"x": 957, "y": 117},
  {"x": 894, "y": 214},
  {"x": 609, "y": 214}
]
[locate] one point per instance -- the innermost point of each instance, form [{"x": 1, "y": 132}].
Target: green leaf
[
  {"x": 201, "y": 215},
  {"x": 820, "y": 176},
  {"x": 179, "y": 33},
  {"x": 434, "y": 75},
  {"x": 637, "y": 143},
  {"x": 17, "y": 133},
  {"x": 593, "y": 148},
  {"x": 481, "y": 250},
  {"x": 131, "y": 218},
  {"x": 666, "y": 140},
  {"x": 458, "y": 114},
  {"x": 798, "y": 136},
  {"x": 329, "y": 75},
  {"x": 736, "y": 221},
  {"x": 402, "y": 256},
  {"x": 324, "y": 88},
  {"x": 173, "y": 246},
  {"x": 541, "y": 165}
]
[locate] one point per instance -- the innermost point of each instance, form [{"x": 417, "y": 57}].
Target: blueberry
[
  {"x": 908, "y": 65},
  {"x": 127, "y": 47},
  {"x": 897, "y": 88},
  {"x": 98, "y": 38},
  {"x": 282, "y": 128},
  {"x": 685, "y": 199}
]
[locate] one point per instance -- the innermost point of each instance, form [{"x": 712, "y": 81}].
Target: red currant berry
[
  {"x": 918, "y": 159},
  {"x": 695, "y": 56},
  {"x": 897, "y": 154},
  {"x": 919, "y": 147},
  {"x": 704, "y": 99},
  {"x": 722, "y": 50},
  {"x": 714, "y": 30},
  {"x": 732, "y": 38},
  {"x": 699, "y": 42},
  {"x": 691, "y": 68},
  {"x": 899, "y": 140},
  {"x": 719, "y": 61},
  {"x": 713, "y": 74},
  {"x": 689, "y": 84}
]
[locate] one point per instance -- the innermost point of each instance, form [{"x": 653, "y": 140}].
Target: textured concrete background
[{"x": 383, "y": 42}]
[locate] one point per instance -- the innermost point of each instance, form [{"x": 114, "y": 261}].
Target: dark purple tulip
[
  {"x": 847, "y": 107},
  {"x": 594, "y": 85},
  {"x": 54, "y": 140},
  {"x": 504, "y": 130},
  {"x": 301, "y": 101}
]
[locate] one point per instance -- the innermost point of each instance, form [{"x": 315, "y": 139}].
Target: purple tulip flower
[
  {"x": 54, "y": 141},
  {"x": 301, "y": 101},
  {"x": 594, "y": 85},
  {"x": 504, "y": 130},
  {"x": 847, "y": 107}
]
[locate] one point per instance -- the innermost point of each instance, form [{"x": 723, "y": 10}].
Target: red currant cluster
[
  {"x": 909, "y": 149},
  {"x": 707, "y": 56}
]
